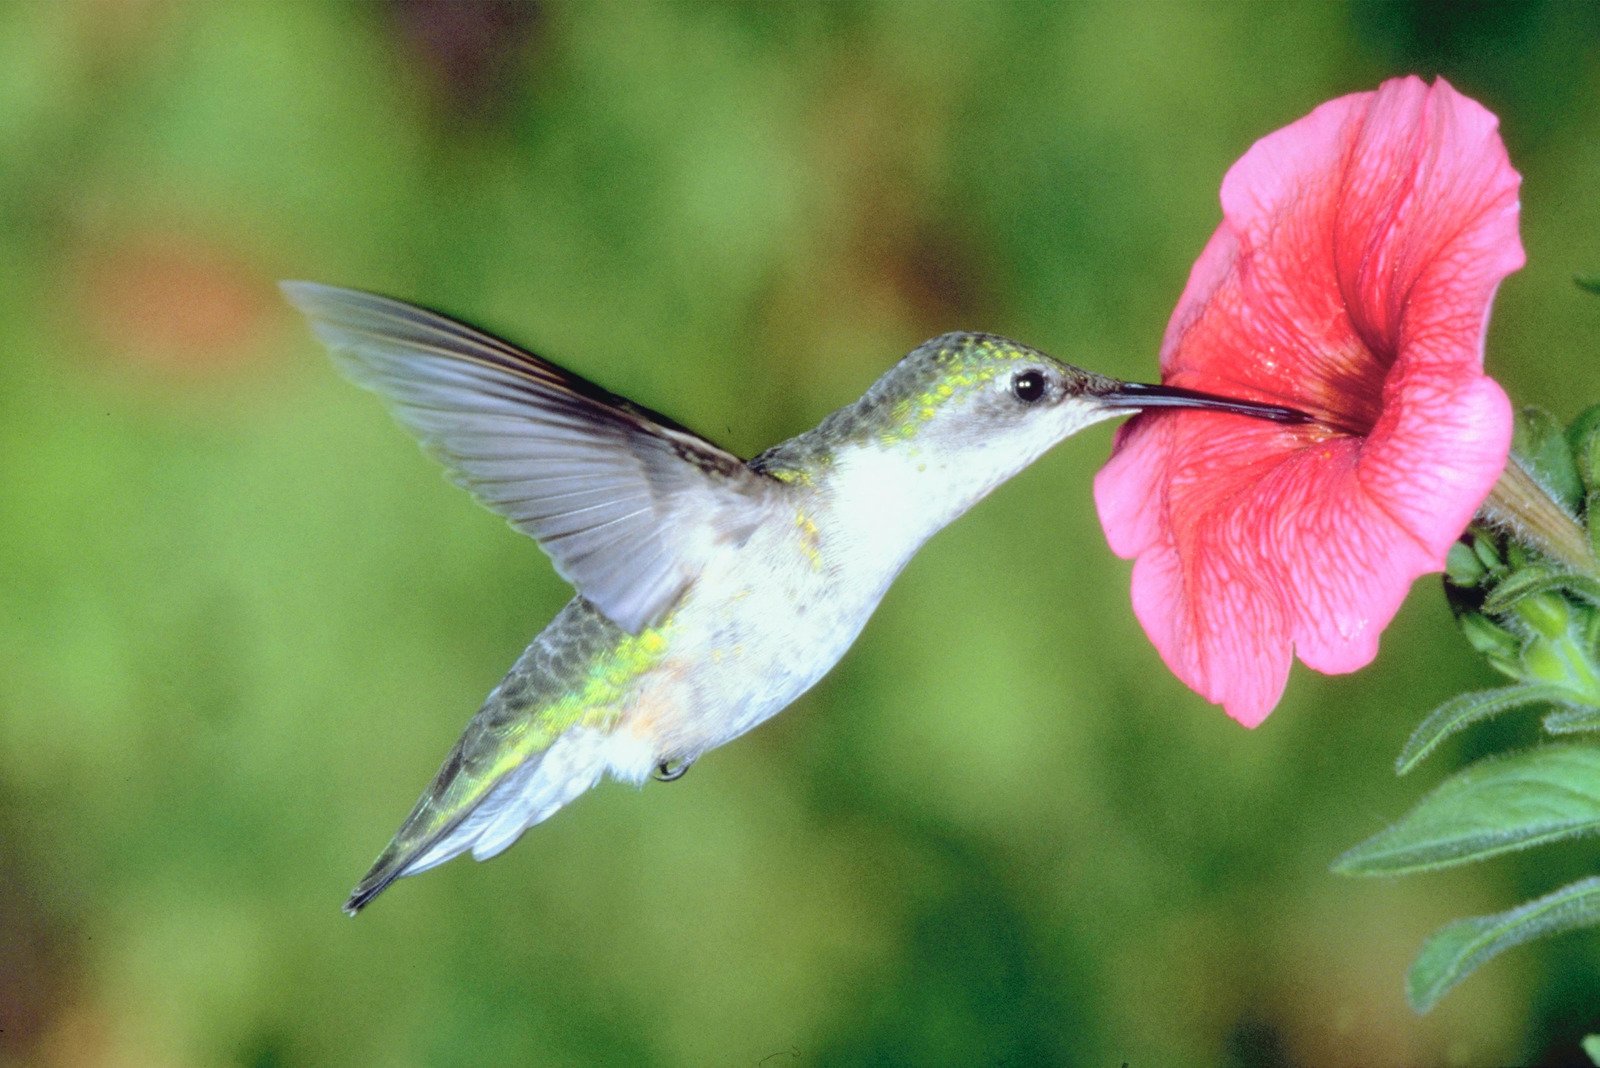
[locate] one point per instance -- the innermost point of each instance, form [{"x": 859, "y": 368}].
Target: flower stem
[{"x": 1520, "y": 504}]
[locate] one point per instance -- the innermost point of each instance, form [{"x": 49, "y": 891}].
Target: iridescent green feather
[{"x": 575, "y": 673}]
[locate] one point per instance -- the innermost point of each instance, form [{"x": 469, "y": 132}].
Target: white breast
[{"x": 766, "y": 621}]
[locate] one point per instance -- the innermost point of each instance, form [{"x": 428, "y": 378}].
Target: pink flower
[{"x": 1351, "y": 277}]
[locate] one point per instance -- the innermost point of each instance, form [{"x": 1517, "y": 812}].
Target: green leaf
[
  {"x": 1495, "y": 806},
  {"x": 1514, "y": 587},
  {"x": 1573, "y": 720},
  {"x": 1541, "y": 442},
  {"x": 1591, "y": 283},
  {"x": 1455, "y": 951},
  {"x": 1583, "y": 437},
  {"x": 1463, "y": 711},
  {"x": 1484, "y": 545},
  {"x": 1536, "y": 580},
  {"x": 1591, "y": 1046},
  {"x": 1463, "y": 567},
  {"x": 1489, "y": 638},
  {"x": 1591, "y": 512}
]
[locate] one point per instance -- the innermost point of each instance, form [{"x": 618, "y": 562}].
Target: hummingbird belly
[{"x": 759, "y": 627}]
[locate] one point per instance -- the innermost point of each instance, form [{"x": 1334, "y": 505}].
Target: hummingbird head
[
  {"x": 966, "y": 393},
  {"x": 951, "y": 421},
  {"x": 972, "y": 410}
]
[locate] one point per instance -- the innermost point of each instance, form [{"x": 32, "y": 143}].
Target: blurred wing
[{"x": 628, "y": 504}]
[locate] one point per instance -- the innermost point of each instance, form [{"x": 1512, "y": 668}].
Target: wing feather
[{"x": 627, "y": 503}]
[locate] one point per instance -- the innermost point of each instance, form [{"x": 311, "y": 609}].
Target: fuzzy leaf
[
  {"x": 1463, "y": 567},
  {"x": 1583, "y": 436},
  {"x": 1463, "y": 711},
  {"x": 1535, "y": 580},
  {"x": 1541, "y": 442},
  {"x": 1573, "y": 720},
  {"x": 1489, "y": 638},
  {"x": 1454, "y": 952},
  {"x": 1514, "y": 587},
  {"x": 1591, "y": 512},
  {"x": 1492, "y": 807},
  {"x": 1483, "y": 543}
]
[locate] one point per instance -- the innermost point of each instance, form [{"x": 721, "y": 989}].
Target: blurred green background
[{"x": 242, "y": 618}]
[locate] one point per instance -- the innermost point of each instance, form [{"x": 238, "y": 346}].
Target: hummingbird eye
[{"x": 1028, "y": 386}]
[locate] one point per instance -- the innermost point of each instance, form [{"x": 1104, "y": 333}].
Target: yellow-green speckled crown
[{"x": 908, "y": 396}]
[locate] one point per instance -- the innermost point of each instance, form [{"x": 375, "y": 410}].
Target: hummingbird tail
[{"x": 527, "y": 794}]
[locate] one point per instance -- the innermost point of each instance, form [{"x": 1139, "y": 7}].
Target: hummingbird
[{"x": 712, "y": 591}]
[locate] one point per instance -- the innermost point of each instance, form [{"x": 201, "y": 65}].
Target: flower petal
[
  {"x": 1352, "y": 275},
  {"x": 1427, "y": 225}
]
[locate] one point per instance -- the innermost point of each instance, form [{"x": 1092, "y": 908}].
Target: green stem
[{"x": 1520, "y": 504}]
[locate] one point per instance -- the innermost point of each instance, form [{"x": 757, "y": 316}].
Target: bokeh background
[{"x": 242, "y": 618}]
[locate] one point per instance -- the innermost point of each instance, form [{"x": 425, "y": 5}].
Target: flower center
[{"x": 1345, "y": 392}]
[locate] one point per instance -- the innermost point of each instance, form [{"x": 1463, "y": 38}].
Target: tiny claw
[{"x": 666, "y": 771}]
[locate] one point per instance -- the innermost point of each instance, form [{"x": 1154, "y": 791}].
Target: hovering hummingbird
[{"x": 712, "y": 591}]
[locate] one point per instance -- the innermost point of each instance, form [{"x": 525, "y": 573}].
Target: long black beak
[{"x": 1138, "y": 396}]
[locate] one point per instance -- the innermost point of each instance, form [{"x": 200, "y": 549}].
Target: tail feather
[
  {"x": 523, "y": 796},
  {"x": 569, "y": 767}
]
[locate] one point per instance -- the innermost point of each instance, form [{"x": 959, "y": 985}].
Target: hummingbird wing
[{"x": 628, "y": 504}]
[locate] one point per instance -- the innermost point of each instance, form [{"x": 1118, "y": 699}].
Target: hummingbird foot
[{"x": 670, "y": 771}]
